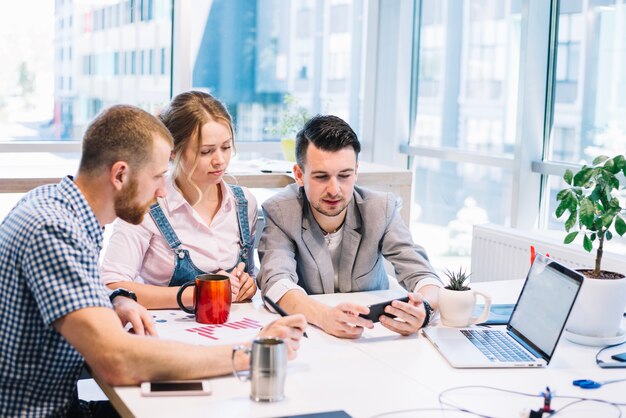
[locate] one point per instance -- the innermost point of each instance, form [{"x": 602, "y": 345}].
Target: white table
[{"x": 384, "y": 372}]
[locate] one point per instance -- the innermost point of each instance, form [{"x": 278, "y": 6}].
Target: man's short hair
[
  {"x": 328, "y": 133},
  {"x": 121, "y": 133}
]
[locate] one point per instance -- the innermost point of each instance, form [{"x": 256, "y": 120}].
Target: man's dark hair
[
  {"x": 121, "y": 133},
  {"x": 328, "y": 133}
]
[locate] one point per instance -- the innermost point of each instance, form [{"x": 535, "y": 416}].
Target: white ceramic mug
[{"x": 456, "y": 307}]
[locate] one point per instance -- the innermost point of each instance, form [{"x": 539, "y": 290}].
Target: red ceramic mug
[{"x": 211, "y": 298}]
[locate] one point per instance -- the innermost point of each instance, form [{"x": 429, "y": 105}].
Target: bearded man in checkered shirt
[{"x": 56, "y": 312}]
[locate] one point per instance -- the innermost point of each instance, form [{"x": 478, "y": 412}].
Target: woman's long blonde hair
[{"x": 184, "y": 118}]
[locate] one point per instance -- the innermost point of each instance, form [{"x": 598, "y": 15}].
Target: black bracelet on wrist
[
  {"x": 120, "y": 291},
  {"x": 429, "y": 310}
]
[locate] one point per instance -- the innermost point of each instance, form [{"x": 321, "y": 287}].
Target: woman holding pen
[{"x": 203, "y": 225}]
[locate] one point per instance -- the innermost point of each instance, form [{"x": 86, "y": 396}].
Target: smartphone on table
[
  {"x": 176, "y": 388},
  {"x": 619, "y": 357},
  {"x": 378, "y": 309}
]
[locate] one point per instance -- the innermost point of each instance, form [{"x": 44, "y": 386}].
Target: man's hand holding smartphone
[{"x": 378, "y": 309}]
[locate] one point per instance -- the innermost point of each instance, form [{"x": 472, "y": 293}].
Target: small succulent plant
[{"x": 457, "y": 279}]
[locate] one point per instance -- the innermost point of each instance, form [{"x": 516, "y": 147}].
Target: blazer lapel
[
  {"x": 314, "y": 240},
  {"x": 349, "y": 246}
]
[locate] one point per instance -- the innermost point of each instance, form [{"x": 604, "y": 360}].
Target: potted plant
[
  {"x": 595, "y": 213},
  {"x": 457, "y": 301},
  {"x": 457, "y": 280},
  {"x": 292, "y": 119}
]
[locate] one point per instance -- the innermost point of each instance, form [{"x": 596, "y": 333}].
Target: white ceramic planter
[
  {"x": 456, "y": 307},
  {"x": 599, "y": 309}
]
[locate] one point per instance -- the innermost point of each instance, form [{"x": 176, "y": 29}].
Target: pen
[
  {"x": 279, "y": 310},
  {"x": 276, "y": 171}
]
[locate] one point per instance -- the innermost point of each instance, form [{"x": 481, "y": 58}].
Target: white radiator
[{"x": 501, "y": 253}]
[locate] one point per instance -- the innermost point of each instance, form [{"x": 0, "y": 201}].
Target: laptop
[{"x": 532, "y": 332}]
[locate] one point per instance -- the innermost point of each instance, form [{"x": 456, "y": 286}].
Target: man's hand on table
[{"x": 130, "y": 311}]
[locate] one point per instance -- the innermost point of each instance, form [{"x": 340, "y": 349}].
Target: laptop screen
[{"x": 545, "y": 303}]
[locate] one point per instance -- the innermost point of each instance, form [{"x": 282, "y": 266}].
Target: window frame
[{"x": 539, "y": 34}]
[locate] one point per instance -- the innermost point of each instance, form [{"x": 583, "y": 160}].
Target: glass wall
[
  {"x": 467, "y": 101},
  {"x": 267, "y": 59},
  {"x": 477, "y": 64},
  {"x": 66, "y": 62},
  {"x": 590, "y": 81},
  {"x": 590, "y": 109},
  {"x": 469, "y": 117}
]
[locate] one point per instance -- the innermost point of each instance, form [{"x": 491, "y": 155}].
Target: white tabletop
[{"x": 382, "y": 372}]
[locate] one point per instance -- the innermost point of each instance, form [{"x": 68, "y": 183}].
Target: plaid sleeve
[{"x": 61, "y": 271}]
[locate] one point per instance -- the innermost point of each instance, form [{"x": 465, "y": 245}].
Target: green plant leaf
[
  {"x": 573, "y": 205},
  {"x": 600, "y": 159},
  {"x": 587, "y": 244},
  {"x": 620, "y": 225},
  {"x": 608, "y": 235},
  {"x": 562, "y": 195},
  {"x": 613, "y": 182},
  {"x": 586, "y": 212},
  {"x": 571, "y": 221},
  {"x": 620, "y": 163},
  {"x": 593, "y": 236},
  {"x": 570, "y": 237},
  {"x": 568, "y": 176},
  {"x": 607, "y": 219},
  {"x": 609, "y": 166},
  {"x": 563, "y": 206},
  {"x": 457, "y": 279},
  {"x": 582, "y": 177},
  {"x": 596, "y": 193}
]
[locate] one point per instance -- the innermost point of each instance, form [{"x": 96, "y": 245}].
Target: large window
[
  {"x": 488, "y": 101},
  {"x": 64, "y": 63},
  {"x": 252, "y": 54},
  {"x": 589, "y": 105},
  {"x": 466, "y": 100},
  {"x": 507, "y": 98}
]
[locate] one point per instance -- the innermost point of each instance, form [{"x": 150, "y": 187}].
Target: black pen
[
  {"x": 279, "y": 310},
  {"x": 276, "y": 171}
]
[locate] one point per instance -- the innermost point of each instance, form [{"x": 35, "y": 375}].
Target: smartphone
[
  {"x": 378, "y": 309},
  {"x": 619, "y": 357},
  {"x": 176, "y": 388}
]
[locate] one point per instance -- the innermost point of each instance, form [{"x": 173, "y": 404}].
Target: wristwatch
[
  {"x": 429, "y": 310},
  {"x": 120, "y": 291}
]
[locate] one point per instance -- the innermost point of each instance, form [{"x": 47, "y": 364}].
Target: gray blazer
[{"x": 292, "y": 245}]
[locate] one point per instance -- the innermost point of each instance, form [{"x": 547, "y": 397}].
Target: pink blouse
[{"x": 140, "y": 253}]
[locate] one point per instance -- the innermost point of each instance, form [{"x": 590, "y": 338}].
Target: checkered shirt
[{"x": 49, "y": 245}]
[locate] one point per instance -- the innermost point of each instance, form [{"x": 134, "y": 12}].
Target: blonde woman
[{"x": 203, "y": 225}]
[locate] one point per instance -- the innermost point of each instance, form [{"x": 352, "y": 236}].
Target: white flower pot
[{"x": 599, "y": 308}]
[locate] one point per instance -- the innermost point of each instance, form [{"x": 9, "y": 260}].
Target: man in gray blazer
[{"x": 326, "y": 235}]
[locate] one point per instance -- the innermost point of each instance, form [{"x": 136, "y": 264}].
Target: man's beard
[{"x": 126, "y": 207}]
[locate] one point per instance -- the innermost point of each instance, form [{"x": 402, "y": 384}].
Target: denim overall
[{"x": 185, "y": 270}]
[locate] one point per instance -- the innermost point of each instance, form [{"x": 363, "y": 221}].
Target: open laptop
[{"x": 533, "y": 331}]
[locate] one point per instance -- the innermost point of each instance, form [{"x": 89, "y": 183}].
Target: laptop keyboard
[{"x": 495, "y": 345}]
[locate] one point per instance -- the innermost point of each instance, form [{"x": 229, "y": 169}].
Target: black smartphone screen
[
  {"x": 378, "y": 309},
  {"x": 175, "y": 386},
  {"x": 619, "y": 357}
]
